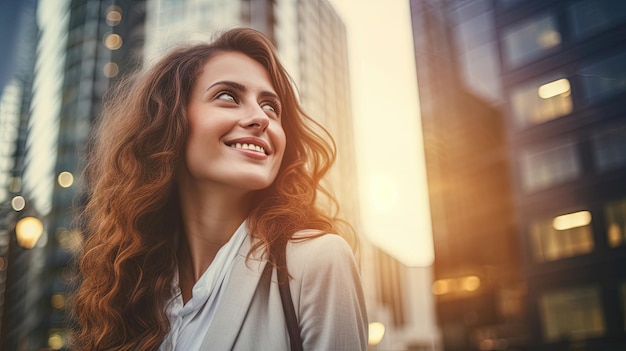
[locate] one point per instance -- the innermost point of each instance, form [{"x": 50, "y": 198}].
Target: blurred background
[{"x": 482, "y": 155}]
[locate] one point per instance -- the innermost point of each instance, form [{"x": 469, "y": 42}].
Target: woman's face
[{"x": 236, "y": 139}]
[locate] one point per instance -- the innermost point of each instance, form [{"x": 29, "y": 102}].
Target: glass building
[
  {"x": 477, "y": 280},
  {"x": 29, "y": 120},
  {"x": 564, "y": 86},
  {"x": 104, "y": 41},
  {"x": 66, "y": 58},
  {"x": 553, "y": 70}
]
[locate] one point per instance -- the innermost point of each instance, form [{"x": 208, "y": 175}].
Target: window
[
  {"x": 574, "y": 313},
  {"x": 616, "y": 222},
  {"x": 604, "y": 78},
  {"x": 10, "y": 107},
  {"x": 542, "y": 168},
  {"x": 590, "y": 17},
  {"x": 541, "y": 100},
  {"x": 562, "y": 236},
  {"x": 609, "y": 148},
  {"x": 530, "y": 40},
  {"x": 478, "y": 54}
]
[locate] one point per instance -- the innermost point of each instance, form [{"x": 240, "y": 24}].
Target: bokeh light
[
  {"x": 114, "y": 16},
  {"x": 65, "y": 179},
  {"x": 110, "y": 69},
  {"x": 376, "y": 333},
  {"x": 113, "y": 41},
  {"x": 18, "y": 203},
  {"x": 28, "y": 230}
]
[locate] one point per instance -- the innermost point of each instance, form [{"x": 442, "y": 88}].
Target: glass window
[
  {"x": 530, "y": 40},
  {"x": 541, "y": 168},
  {"x": 590, "y": 17},
  {"x": 616, "y": 222},
  {"x": 573, "y": 313},
  {"x": 609, "y": 148},
  {"x": 604, "y": 78},
  {"x": 541, "y": 100},
  {"x": 562, "y": 236}
]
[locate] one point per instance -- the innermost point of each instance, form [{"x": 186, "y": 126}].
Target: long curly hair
[{"x": 132, "y": 220}]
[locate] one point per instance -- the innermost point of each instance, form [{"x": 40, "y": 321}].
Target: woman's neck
[{"x": 210, "y": 218}]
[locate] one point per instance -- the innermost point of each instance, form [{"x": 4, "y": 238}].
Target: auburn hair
[{"x": 131, "y": 219}]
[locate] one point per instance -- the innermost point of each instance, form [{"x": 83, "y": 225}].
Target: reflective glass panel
[
  {"x": 609, "y": 148},
  {"x": 590, "y": 17},
  {"x": 604, "y": 78},
  {"x": 530, "y": 40},
  {"x": 562, "y": 236},
  {"x": 574, "y": 313},
  {"x": 549, "y": 166},
  {"x": 616, "y": 222},
  {"x": 541, "y": 100}
]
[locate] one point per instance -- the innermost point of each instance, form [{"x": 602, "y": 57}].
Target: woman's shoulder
[{"x": 313, "y": 247}]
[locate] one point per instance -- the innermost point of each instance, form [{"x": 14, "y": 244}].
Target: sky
[{"x": 390, "y": 155}]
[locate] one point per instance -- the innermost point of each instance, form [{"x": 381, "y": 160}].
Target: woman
[{"x": 203, "y": 171}]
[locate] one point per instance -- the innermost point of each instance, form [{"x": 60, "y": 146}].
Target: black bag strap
[{"x": 285, "y": 297}]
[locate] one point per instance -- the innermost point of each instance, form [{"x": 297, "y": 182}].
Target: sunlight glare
[{"x": 388, "y": 133}]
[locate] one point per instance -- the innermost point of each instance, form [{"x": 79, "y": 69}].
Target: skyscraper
[
  {"x": 563, "y": 79},
  {"x": 477, "y": 280},
  {"x": 86, "y": 44},
  {"x": 30, "y": 95},
  {"x": 550, "y": 70}
]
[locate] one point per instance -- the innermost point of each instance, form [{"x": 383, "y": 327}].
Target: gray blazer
[{"x": 326, "y": 293}]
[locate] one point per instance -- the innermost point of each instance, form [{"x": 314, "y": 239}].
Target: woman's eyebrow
[
  {"x": 234, "y": 85},
  {"x": 269, "y": 94},
  {"x": 242, "y": 88}
]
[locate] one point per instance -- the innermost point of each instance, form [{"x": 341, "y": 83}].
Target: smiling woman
[
  {"x": 203, "y": 178},
  {"x": 232, "y": 103}
]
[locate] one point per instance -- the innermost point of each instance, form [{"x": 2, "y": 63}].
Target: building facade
[
  {"x": 552, "y": 70},
  {"x": 564, "y": 82},
  {"x": 67, "y": 48},
  {"x": 104, "y": 42},
  {"x": 25, "y": 190},
  {"x": 477, "y": 276},
  {"x": 37, "y": 84}
]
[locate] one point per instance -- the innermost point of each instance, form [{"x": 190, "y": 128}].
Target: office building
[
  {"x": 477, "y": 283},
  {"x": 563, "y": 77},
  {"x": 102, "y": 40},
  {"x": 552, "y": 70},
  {"x": 27, "y": 178}
]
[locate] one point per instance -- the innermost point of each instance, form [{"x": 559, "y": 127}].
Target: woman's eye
[
  {"x": 268, "y": 107},
  {"x": 271, "y": 107},
  {"x": 224, "y": 95}
]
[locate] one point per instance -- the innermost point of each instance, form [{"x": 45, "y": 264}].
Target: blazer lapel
[{"x": 235, "y": 300}]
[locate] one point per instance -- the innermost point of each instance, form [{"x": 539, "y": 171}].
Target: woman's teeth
[{"x": 248, "y": 147}]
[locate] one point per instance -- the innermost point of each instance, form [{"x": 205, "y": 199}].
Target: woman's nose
[{"x": 257, "y": 119}]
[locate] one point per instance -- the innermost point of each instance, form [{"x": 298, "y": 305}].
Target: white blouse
[{"x": 191, "y": 321}]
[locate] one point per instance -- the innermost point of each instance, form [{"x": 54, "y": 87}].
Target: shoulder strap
[{"x": 285, "y": 297}]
